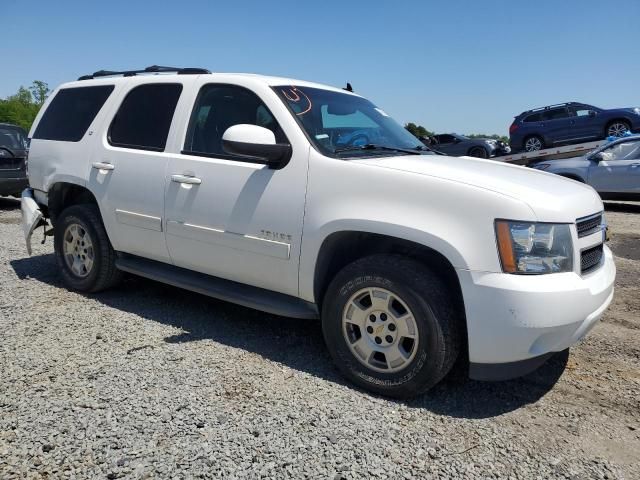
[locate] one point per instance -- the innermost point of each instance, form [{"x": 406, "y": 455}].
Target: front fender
[{"x": 313, "y": 244}]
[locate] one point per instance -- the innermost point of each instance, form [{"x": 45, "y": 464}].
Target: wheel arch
[
  {"x": 474, "y": 147},
  {"x": 343, "y": 247},
  {"x": 63, "y": 194},
  {"x": 614, "y": 120}
]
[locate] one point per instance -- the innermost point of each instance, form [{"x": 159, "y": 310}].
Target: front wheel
[
  {"x": 617, "y": 129},
  {"x": 478, "y": 152},
  {"x": 391, "y": 325},
  {"x": 83, "y": 251}
]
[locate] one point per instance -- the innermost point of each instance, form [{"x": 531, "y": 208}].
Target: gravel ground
[{"x": 151, "y": 381}]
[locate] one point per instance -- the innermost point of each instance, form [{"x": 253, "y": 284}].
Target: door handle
[
  {"x": 635, "y": 165},
  {"x": 186, "y": 179},
  {"x": 103, "y": 166}
]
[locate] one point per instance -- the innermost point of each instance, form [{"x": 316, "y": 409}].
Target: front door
[
  {"x": 619, "y": 171},
  {"x": 227, "y": 216}
]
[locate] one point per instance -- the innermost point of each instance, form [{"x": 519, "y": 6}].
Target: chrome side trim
[
  {"x": 148, "y": 222},
  {"x": 236, "y": 241}
]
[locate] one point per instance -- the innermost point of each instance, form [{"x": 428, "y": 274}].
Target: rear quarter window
[{"x": 71, "y": 112}]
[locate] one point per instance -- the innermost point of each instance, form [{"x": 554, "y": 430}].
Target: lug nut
[
  {"x": 392, "y": 327},
  {"x": 389, "y": 338},
  {"x": 383, "y": 316},
  {"x": 372, "y": 318},
  {"x": 370, "y": 329},
  {"x": 378, "y": 340}
]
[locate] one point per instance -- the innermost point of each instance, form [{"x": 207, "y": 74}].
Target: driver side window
[
  {"x": 219, "y": 107},
  {"x": 623, "y": 151}
]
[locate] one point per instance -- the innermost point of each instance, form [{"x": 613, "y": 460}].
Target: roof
[{"x": 142, "y": 76}]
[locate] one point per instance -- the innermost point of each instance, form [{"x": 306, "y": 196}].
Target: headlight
[{"x": 534, "y": 248}]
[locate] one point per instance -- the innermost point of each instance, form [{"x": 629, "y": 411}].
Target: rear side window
[
  {"x": 144, "y": 118},
  {"x": 556, "y": 114},
  {"x": 71, "y": 112},
  {"x": 536, "y": 117}
]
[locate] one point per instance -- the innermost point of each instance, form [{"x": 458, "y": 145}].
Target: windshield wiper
[{"x": 373, "y": 146}]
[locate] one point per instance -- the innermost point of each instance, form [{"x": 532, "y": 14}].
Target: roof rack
[
  {"x": 541, "y": 109},
  {"x": 151, "y": 69}
]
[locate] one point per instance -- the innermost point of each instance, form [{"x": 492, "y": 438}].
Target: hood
[{"x": 551, "y": 197}]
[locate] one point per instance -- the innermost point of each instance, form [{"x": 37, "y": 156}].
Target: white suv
[{"x": 309, "y": 201}]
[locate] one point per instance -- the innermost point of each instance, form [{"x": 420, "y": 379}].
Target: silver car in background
[{"x": 613, "y": 169}]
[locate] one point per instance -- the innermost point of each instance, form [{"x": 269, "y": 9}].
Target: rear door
[
  {"x": 619, "y": 172},
  {"x": 127, "y": 171},
  {"x": 557, "y": 125}
]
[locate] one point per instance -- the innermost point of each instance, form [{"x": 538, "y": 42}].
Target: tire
[
  {"x": 80, "y": 223},
  {"x": 437, "y": 325},
  {"x": 532, "y": 144},
  {"x": 617, "y": 128},
  {"x": 478, "y": 152}
]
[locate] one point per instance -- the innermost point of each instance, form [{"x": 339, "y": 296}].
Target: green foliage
[
  {"x": 418, "y": 130},
  {"x": 22, "y": 107},
  {"x": 494, "y": 136}
]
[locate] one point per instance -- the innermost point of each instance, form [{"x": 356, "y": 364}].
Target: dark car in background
[
  {"x": 459, "y": 145},
  {"x": 569, "y": 123},
  {"x": 13, "y": 154}
]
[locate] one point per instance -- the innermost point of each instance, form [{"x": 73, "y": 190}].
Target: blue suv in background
[{"x": 568, "y": 123}]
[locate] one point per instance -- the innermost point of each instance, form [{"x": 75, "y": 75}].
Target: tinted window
[
  {"x": 144, "y": 118},
  {"x": 446, "y": 138},
  {"x": 219, "y": 107},
  {"x": 536, "y": 117},
  {"x": 71, "y": 112},
  {"x": 556, "y": 114}
]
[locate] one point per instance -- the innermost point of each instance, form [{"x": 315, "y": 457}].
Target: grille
[
  {"x": 590, "y": 258},
  {"x": 588, "y": 225}
]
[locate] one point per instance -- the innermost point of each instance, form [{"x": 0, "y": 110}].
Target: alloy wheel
[
  {"x": 532, "y": 144},
  {"x": 617, "y": 129},
  {"x": 380, "y": 330},
  {"x": 78, "y": 250}
]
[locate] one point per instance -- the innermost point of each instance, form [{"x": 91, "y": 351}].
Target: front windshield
[
  {"x": 338, "y": 123},
  {"x": 12, "y": 138}
]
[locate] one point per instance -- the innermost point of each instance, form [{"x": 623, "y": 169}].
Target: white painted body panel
[{"x": 245, "y": 222}]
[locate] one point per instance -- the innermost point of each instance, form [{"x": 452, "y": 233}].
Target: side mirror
[
  {"x": 598, "y": 157},
  {"x": 592, "y": 113},
  {"x": 257, "y": 144}
]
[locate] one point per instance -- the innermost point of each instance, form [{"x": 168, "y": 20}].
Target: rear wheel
[
  {"x": 533, "y": 143},
  {"x": 617, "y": 128},
  {"x": 391, "y": 325},
  {"x": 83, "y": 252},
  {"x": 478, "y": 152}
]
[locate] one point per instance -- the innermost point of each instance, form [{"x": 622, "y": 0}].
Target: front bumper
[
  {"x": 516, "y": 319},
  {"x": 31, "y": 216}
]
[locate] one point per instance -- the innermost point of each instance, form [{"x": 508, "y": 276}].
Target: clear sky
[{"x": 452, "y": 66}]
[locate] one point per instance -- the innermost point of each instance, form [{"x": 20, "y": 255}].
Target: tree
[
  {"x": 22, "y": 107},
  {"x": 418, "y": 130},
  {"x": 40, "y": 91}
]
